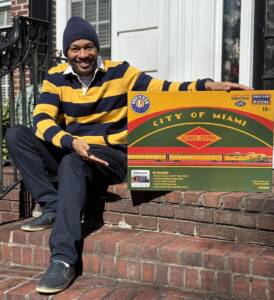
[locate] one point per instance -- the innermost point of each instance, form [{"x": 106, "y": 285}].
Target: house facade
[{"x": 174, "y": 40}]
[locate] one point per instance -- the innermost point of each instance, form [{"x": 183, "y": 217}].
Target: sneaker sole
[
  {"x": 32, "y": 229},
  {"x": 48, "y": 290}
]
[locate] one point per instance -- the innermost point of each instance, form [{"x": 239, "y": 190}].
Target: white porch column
[{"x": 63, "y": 11}]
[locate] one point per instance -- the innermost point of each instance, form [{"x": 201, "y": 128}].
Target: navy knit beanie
[{"x": 76, "y": 29}]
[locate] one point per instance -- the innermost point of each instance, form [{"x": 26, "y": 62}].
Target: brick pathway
[{"x": 19, "y": 283}]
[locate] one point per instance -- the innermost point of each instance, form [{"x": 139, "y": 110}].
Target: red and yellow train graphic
[{"x": 233, "y": 157}]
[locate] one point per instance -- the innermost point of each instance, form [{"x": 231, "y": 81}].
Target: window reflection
[
  {"x": 231, "y": 40},
  {"x": 269, "y": 45}
]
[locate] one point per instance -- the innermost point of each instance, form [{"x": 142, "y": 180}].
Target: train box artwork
[{"x": 206, "y": 141}]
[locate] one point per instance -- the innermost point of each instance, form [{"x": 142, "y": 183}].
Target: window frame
[
  {"x": 5, "y": 82},
  {"x": 6, "y": 4},
  {"x": 97, "y": 23}
]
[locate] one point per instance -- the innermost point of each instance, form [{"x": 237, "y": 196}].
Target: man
[{"x": 80, "y": 134}]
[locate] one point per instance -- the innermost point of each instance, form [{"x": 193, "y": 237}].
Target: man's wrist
[
  {"x": 203, "y": 84},
  {"x": 208, "y": 84}
]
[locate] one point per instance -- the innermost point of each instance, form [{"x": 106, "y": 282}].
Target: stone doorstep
[
  {"x": 19, "y": 283},
  {"x": 226, "y": 269}
]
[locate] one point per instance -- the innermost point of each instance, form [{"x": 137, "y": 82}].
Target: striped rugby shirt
[{"x": 99, "y": 116}]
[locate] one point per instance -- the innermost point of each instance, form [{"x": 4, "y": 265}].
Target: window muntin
[{"x": 97, "y": 12}]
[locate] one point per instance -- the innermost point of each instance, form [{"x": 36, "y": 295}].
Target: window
[
  {"x": 5, "y": 14},
  {"x": 5, "y": 20},
  {"x": 231, "y": 40},
  {"x": 97, "y": 12}
]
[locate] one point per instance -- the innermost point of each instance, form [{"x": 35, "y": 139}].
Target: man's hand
[
  {"x": 83, "y": 149},
  {"x": 225, "y": 86}
]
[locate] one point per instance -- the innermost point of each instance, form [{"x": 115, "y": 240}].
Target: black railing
[{"x": 24, "y": 58}]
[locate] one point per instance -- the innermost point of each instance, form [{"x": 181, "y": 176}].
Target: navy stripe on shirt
[
  {"x": 51, "y": 132},
  {"x": 58, "y": 79},
  {"x": 184, "y": 86},
  {"x": 101, "y": 105},
  {"x": 40, "y": 117},
  {"x": 142, "y": 82},
  {"x": 97, "y": 129},
  {"x": 166, "y": 85},
  {"x": 112, "y": 74},
  {"x": 48, "y": 98}
]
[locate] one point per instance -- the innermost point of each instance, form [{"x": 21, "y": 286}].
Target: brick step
[
  {"x": 19, "y": 283},
  {"x": 222, "y": 268},
  {"x": 232, "y": 216}
]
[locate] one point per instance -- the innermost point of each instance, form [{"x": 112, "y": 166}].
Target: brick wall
[
  {"x": 16, "y": 203},
  {"x": 241, "y": 217},
  {"x": 19, "y": 8}
]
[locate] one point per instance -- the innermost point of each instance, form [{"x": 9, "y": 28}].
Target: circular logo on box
[{"x": 140, "y": 104}]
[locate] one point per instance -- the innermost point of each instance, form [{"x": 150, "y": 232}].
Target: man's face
[{"x": 82, "y": 56}]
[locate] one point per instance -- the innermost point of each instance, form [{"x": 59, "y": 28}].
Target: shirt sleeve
[
  {"x": 46, "y": 114},
  {"x": 145, "y": 82}
]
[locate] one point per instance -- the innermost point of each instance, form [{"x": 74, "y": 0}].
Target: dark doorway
[
  {"x": 263, "y": 69},
  {"x": 41, "y": 9}
]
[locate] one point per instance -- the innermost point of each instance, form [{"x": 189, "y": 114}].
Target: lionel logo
[
  {"x": 262, "y": 99},
  {"x": 240, "y": 103},
  {"x": 199, "y": 138},
  {"x": 140, "y": 104}
]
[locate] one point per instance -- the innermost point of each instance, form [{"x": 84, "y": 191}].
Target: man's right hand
[{"x": 83, "y": 149}]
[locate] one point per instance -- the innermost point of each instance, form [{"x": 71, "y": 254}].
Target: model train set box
[{"x": 206, "y": 141}]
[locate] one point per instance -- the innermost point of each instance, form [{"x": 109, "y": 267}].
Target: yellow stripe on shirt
[
  {"x": 96, "y": 140},
  {"x": 192, "y": 86},
  {"x": 155, "y": 85},
  {"x": 110, "y": 88},
  {"x": 48, "y": 109},
  {"x": 58, "y": 69},
  {"x": 57, "y": 138},
  {"x": 174, "y": 86},
  {"x": 118, "y": 138},
  {"x": 105, "y": 117},
  {"x": 44, "y": 125}
]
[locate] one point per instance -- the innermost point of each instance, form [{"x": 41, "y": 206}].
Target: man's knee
[
  {"x": 72, "y": 162},
  {"x": 16, "y": 134}
]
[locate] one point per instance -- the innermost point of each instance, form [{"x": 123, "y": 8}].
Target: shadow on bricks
[{"x": 139, "y": 197}]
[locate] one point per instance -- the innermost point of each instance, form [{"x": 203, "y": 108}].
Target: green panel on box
[{"x": 201, "y": 179}]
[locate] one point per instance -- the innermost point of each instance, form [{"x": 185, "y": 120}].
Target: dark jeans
[{"x": 36, "y": 160}]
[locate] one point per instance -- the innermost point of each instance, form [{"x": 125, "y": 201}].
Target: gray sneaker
[
  {"x": 42, "y": 222},
  {"x": 57, "y": 278}
]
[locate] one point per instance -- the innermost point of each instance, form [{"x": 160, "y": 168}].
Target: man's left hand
[{"x": 225, "y": 86}]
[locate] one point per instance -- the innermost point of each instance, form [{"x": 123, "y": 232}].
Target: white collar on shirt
[{"x": 85, "y": 82}]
